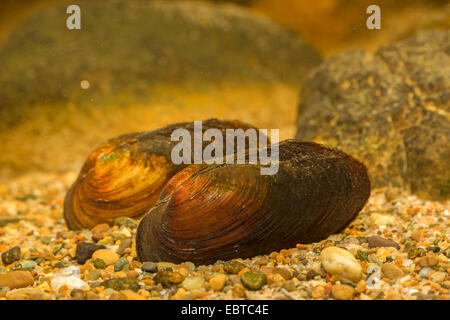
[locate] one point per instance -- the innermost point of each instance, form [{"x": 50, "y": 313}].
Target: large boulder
[
  {"x": 390, "y": 109},
  {"x": 124, "y": 47}
]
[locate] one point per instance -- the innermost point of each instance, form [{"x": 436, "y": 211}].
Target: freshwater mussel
[
  {"x": 125, "y": 175},
  {"x": 207, "y": 213}
]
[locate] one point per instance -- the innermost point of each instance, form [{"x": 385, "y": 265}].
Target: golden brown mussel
[
  {"x": 125, "y": 175},
  {"x": 219, "y": 212}
]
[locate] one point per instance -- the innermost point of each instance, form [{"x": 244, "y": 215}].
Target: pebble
[
  {"x": 342, "y": 292},
  {"x": 318, "y": 292},
  {"x": 100, "y": 228},
  {"x": 289, "y": 285},
  {"x": 71, "y": 282},
  {"x": 218, "y": 282},
  {"x": 120, "y": 264},
  {"x": 285, "y": 273},
  {"x": 150, "y": 267},
  {"x": 437, "y": 276},
  {"x": 338, "y": 261},
  {"x": 133, "y": 274},
  {"x": 125, "y": 221},
  {"x": 119, "y": 284},
  {"x": 163, "y": 266},
  {"x": 417, "y": 235},
  {"x": 130, "y": 295},
  {"x": 77, "y": 294},
  {"x": 93, "y": 275},
  {"x": 233, "y": 267},
  {"x": 429, "y": 260},
  {"x": 99, "y": 263},
  {"x": 108, "y": 256},
  {"x": 254, "y": 280},
  {"x": 16, "y": 279},
  {"x": 238, "y": 291},
  {"x": 193, "y": 283},
  {"x": 391, "y": 271},
  {"x": 168, "y": 278},
  {"x": 266, "y": 270},
  {"x": 124, "y": 244},
  {"x": 11, "y": 255},
  {"x": 379, "y": 242},
  {"x": 85, "y": 250},
  {"x": 424, "y": 272},
  {"x": 27, "y": 294},
  {"x": 27, "y": 265},
  {"x": 381, "y": 219},
  {"x": 180, "y": 294}
]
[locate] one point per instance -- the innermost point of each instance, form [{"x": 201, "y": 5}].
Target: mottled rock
[
  {"x": 168, "y": 278},
  {"x": 85, "y": 250},
  {"x": 193, "y": 283},
  {"x": 119, "y": 284},
  {"x": 338, "y": 261},
  {"x": 99, "y": 263},
  {"x": 254, "y": 280},
  {"x": 233, "y": 267},
  {"x": 125, "y": 221},
  {"x": 11, "y": 255},
  {"x": 285, "y": 273},
  {"x": 120, "y": 264},
  {"x": 390, "y": 109},
  {"x": 93, "y": 275},
  {"x": 379, "y": 242},
  {"x": 150, "y": 267}
]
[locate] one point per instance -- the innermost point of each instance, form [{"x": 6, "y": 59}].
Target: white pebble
[
  {"x": 72, "y": 282},
  {"x": 338, "y": 261}
]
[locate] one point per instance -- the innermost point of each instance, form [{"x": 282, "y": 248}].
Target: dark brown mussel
[
  {"x": 125, "y": 175},
  {"x": 219, "y": 212}
]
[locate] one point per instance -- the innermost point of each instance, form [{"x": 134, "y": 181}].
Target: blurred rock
[
  {"x": 390, "y": 109},
  {"x": 127, "y": 47}
]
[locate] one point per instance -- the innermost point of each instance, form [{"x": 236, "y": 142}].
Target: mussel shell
[
  {"x": 221, "y": 212},
  {"x": 125, "y": 175}
]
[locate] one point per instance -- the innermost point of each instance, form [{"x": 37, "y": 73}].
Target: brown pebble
[
  {"x": 96, "y": 237},
  {"x": 391, "y": 271},
  {"x": 417, "y": 235},
  {"x": 285, "y": 273},
  {"x": 133, "y": 274},
  {"x": 379, "y": 242},
  {"x": 342, "y": 292},
  {"x": 429, "y": 260},
  {"x": 92, "y": 296},
  {"x": 100, "y": 228},
  {"x": 234, "y": 278},
  {"x": 16, "y": 279},
  {"x": 238, "y": 291},
  {"x": 266, "y": 270},
  {"x": 130, "y": 295}
]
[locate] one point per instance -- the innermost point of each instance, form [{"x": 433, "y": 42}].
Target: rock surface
[
  {"x": 147, "y": 42},
  {"x": 390, "y": 109}
]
